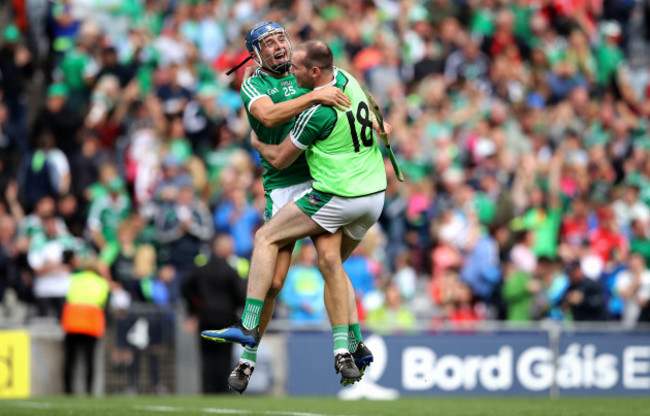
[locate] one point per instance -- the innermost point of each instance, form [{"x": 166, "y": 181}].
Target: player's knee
[
  {"x": 262, "y": 237},
  {"x": 328, "y": 262}
]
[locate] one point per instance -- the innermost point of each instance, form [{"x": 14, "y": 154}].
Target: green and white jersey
[
  {"x": 107, "y": 214},
  {"x": 32, "y": 225},
  {"x": 341, "y": 149},
  {"x": 279, "y": 90}
]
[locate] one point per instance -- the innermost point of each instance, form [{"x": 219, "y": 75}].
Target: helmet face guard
[{"x": 262, "y": 36}]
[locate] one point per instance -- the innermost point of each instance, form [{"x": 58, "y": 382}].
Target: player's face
[
  {"x": 275, "y": 49},
  {"x": 300, "y": 71}
]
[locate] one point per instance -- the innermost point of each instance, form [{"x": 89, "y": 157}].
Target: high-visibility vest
[{"x": 83, "y": 312}]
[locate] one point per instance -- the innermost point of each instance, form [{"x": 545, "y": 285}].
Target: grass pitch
[{"x": 265, "y": 406}]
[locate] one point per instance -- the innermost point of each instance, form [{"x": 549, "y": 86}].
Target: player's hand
[
  {"x": 332, "y": 96},
  {"x": 249, "y": 71},
  {"x": 388, "y": 130}
]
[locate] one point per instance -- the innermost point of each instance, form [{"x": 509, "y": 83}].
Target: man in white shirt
[{"x": 633, "y": 286}]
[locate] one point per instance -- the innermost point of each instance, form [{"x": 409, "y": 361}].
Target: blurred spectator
[
  {"x": 405, "y": 278},
  {"x": 72, "y": 214},
  {"x": 57, "y": 116},
  {"x": 303, "y": 289},
  {"x": 522, "y": 255},
  {"x": 518, "y": 292},
  {"x": 633, "y": 286},
  {"x": 51, "y": 268},
  {"x": 87, "y": 165},
  {"x": 77, "y": 69},
  {"x": 213, "y": 293},
  {"x": 38, "y": 176},
  {"x": 16, "y": 67},
  {"x": 393, "y": 316},
  {"x": 183, "y": 231},
  {"x": 9, "y": 273},
  {"x": 236, "y": 216},
  {"x": 554, "y": 284},
  {"x": 106, "y": 213},
  {"x": 481, "y": 272},
  {"x": 117, "y": 263},
  {"x": 464, "y": 311},
  {"x": 640, "y": 241},
  {"x": 629, "y": 208},
  {"x": 584, "y": 297},
  {"x": 607, "y": 238},
  {"x": 468, "y": 64}
]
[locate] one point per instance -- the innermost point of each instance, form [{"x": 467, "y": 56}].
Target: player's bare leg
[
  {"x": 281, "y": 270},
  {"x": 360, "y": 352},
  {"x": 337, "y": 303},
  {"x": 241, "y": 374},
  {"x": 288, "y": 225}
]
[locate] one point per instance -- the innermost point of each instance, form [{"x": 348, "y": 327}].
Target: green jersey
[
  {"x": 107, "y": 214},
  {"x": 279, "y": 90},
  {"x": 341, "y": 150}
]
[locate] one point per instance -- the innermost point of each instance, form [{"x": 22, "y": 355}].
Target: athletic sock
[
  {"x": 354, "y": 336},
  {"x": 249, "y": 355},
  {"x": 251, "y": 317},
  {"x": 340, "y": 333}
]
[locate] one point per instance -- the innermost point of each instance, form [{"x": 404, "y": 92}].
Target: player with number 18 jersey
[{"x": 342, "y": 156}]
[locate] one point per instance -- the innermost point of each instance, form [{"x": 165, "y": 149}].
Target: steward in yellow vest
[
  {"x": 83, "y": 312},
  {"x": 83, "y": 319}
]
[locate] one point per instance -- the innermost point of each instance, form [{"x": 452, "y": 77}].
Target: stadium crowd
[{"x": 521, "y": 127}]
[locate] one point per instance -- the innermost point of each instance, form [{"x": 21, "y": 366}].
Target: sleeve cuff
[
  {"x": 250, "y": 103},
  {"x": 295, "y": 141}
]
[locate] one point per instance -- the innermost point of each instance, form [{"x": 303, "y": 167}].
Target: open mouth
[{"x": 280, "y": 56}]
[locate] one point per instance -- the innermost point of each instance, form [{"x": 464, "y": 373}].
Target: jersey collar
[{"x": 331, "y": 83}]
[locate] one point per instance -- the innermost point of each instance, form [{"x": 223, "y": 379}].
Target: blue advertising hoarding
[
  {"x": 476, "y": 364},
  {"x": 594, "y": 363}
]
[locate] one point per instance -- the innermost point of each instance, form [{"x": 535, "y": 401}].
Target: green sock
[
  {"x": 340, "y": 333},
  {"x": 354, "y": 336},
  {"x": 250, "y": 354},
  {"x": 252, "y": 310}
]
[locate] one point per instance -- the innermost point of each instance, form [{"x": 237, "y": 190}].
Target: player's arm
[
  {"x": 272, "y": 114},
  {"x": 280, "y": 155},
  {"x": 311, "y": 125}
]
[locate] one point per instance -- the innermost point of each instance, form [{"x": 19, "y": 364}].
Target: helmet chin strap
[{"x": 280, "y": 68}]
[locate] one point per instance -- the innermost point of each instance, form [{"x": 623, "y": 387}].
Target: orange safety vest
[{"x": 83, "y": 312}]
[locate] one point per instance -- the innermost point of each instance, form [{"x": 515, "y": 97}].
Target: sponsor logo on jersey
[{"x": 272, "y": 91}]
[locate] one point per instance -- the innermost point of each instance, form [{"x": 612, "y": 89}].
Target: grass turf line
[{"x": 265, "y": 406}]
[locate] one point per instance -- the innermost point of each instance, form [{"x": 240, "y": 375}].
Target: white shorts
[
  {"x": 277, "y": 198},
  {"x": 354, "y": 215}
]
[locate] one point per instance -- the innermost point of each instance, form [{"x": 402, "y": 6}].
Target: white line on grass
[
  {"x": 159, "y": 408},
  {"x": 33, "y": 405},
  {"x": 263, "y": 412},
  {"x": 230, "y": 411}
]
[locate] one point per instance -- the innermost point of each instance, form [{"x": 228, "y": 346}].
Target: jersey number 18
[{"x": 363, "y": 118}]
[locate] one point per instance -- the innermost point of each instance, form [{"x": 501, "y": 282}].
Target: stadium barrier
[
  {"x": 492, "y": 358},
  {"x": 146, "y": 351}
]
